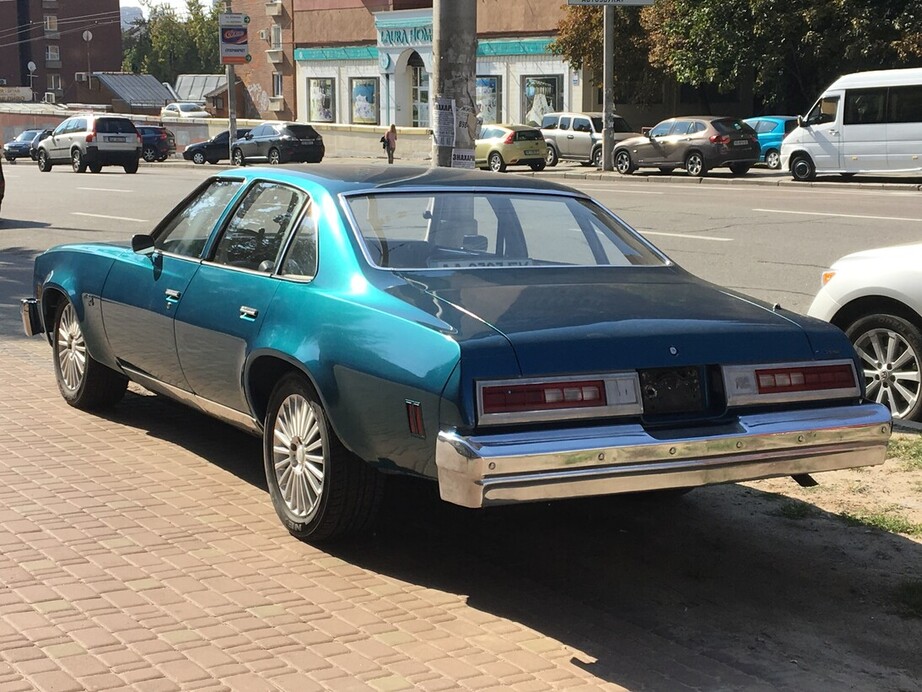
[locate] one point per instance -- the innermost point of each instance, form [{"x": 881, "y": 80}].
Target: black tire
[
  {"x": 83, "y": 382},
  {"x": 95, "y": 167},
  {"x": 275, "y": 157},
  {"x": 890, "y": 350},
  {"x": 848, "y": 175},
  {"x": 802, "y": 168},
  {"x": 596, "y": 158},
  {"x": 624, "y": 164},
  {"x": 326, "y": 495},
  {"x": 131, "y": 167},
  {"x": 237, "y": 158},
  {"x": 665, "y": 169},
  {"x": 538, "y": 165},
  {"x": 695, "y": 165},
  {"x": 739, "y": 168},
  {"x": 198, "y": 158},
  {"x": 552, "y": 156},
  {"x": 212, "y": 161},
  {"x": 44, "y": 163},
  {"x": 773, "y": 159},
  {"x": 149, "y": 154},
  {"x": 496, "y": 163},
  {"x": 77, "y": 162}
]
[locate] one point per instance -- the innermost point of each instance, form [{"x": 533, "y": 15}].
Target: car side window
[
  {"x": 565, "y": 123},
  {"x": 549, "y": 122},
  {"x": 77, "y": 125},
  {"x": 581, "y": 125},
  {"x": 189, "y": 229},
  {"x": 824, "y": 111},
  {"x": 301, "y": 260},
  {"x": 62, "y": 128},
  {"x": 662, "y": 129},
  {"x": 253, "y": 237}
]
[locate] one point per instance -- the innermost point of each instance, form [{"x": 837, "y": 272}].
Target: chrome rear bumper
[{"x": 484, "y": 470}]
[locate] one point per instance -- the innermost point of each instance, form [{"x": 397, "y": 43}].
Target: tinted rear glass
[
  {"x": 302, "y": 131},
  {"x": 528, "y": 135},
  {"x": 115, "y": 126},
  {"x": 729, "y": 126},
  {"x": 597, "y": 124},
  {"x": 621, "y": 125}
]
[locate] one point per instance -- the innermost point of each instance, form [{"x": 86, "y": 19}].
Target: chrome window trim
[
  {"x": 734, "y": 398},
  {"x": 611, "y": 381}
]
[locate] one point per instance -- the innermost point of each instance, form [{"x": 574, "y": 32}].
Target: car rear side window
[
  {"x": 729, "y": 126},
  {"x": 187, "y": 231},
  {"x": 302, "y": 131},
  {"x": 529, "y": 135},
  {"x": 115, "y": 126}
]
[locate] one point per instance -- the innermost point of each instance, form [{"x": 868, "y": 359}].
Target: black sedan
[
  {"x": 279, "y": 142},
  {"x": 212, "y": 150},
  {"x": 19, "y": 147}
]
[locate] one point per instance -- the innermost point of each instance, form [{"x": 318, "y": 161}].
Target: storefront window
[
  {"x": 541, "y": 95},
  {"x": 364, "y": 92},
  {"x": 322, "y": 104},
  {"x": 489, "y": 100}
]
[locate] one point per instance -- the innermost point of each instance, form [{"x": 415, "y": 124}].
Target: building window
[
  {"x": 52, "y": 53},
  {"x": 489, "y": 100},
  {"x": 51, "y": 23},
  {"x": 322, "y": 104},
  {"x": 541, "y": 95},
  {"x": 54, "y": 81},
  {"x": 364, "y": 95},
  {"x": 275, "y": 35},
  {"x": 276, "y": 84}
]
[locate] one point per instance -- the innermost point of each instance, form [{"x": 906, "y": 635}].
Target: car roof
[{"x": 339, "y": 178}]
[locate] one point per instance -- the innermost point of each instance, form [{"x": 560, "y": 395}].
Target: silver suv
[
  {"x": 578, "y": 136},
  {"x": 91, "y": 141}
]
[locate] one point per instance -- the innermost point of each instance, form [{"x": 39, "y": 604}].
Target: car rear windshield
[
  {"x": 528, "y": 135},
  {"x": 115, "y": 126},
  {"x": 729, "y": 126},
  {"x": 473, "y": 230},
  {"x": 302, "y": 131}
]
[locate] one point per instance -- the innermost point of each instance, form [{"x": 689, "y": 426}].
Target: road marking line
[
  {"x": 716, "y": 239},
  {"x": 842, "y": 216},
  {"x": 103, "y": 189},
  {"x": 620, "y": 190},
  {"x": 112, "y": 218}
]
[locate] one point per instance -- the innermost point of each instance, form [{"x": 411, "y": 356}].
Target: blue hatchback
[{"x": 771, "y": 130}]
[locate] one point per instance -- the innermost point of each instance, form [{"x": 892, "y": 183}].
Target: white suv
[{"x": 91, "y": 141}]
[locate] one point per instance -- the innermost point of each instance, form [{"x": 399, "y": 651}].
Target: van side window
[
  {"x": 824, "y": 111},
  {"x": 905, "y": 104},
  {"x": 865, "y": 106}
]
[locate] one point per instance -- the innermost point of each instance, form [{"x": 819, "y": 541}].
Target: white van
[{"x": 867, "y": 122}]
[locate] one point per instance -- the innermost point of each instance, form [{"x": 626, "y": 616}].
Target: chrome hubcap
[
  {"x": 891, "y": 370},
  {"x": 297, "y": 455},
  {"x": 774, "y": 160},
  {"x": 71, "y": 349}
]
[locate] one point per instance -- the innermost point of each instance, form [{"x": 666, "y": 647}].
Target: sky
[{"x": 178, "y": 4}]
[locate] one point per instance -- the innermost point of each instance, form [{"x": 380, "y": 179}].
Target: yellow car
[{"x": 510, "y": 145}]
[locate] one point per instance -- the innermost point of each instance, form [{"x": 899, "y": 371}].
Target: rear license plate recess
[{"x": 672, "y": 390}]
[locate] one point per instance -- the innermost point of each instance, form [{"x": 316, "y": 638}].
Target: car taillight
[
  {"x": 91, "y": 136},
  {"x": 162, "y": 135},
  {"x": 523, "y": 401},
  {"x": 720, "y": 139},
  {"x": 754, "y": 384},
  {"x": 510, "y": 138}
]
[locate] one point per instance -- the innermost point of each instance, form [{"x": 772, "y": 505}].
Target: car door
[
  {"x": 864, "y": 130},
  {"x": 217, "y": 147},
  {"x": 57, "y": 144},
  {"x": 563, "y": 136},
  {"x": 823, "y": 138},
  {"x": 675, "y": 145},
  {"x": 227, "y": 299},
  {"x": 141, "y": 294},
  {"x": 652, "y": 151},
  {"x": 580, "y": 138}
]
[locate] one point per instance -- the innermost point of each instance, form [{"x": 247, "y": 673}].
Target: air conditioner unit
[
  {"x": 2, "y": 82},
  {"x": 49, "y": 97},
  {"x": 80, "y": 76},
  {"x": 264, "y": 34}
]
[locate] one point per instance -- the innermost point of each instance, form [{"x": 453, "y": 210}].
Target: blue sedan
[
  {"x": 771, "y": 131},
  {"x": 510, "y": 340}
]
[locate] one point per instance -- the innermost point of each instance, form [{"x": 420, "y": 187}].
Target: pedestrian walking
[{"x": 390, "y": 142}]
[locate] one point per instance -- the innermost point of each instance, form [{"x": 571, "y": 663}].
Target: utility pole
[
  {"x": 231, "y": 100},
  {"x": 608, "y": 106},
  {"x": 454, "y": 58}
]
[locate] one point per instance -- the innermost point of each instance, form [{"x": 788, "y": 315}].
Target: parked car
[
  {"x": 279, "y": 142},
  {"x": 696, "y": 143},
  {"x": 91, "y": 141},
  {"x": 771, "y": 131},
  {"x": 33, "y": 146},
  {"x": 512, "y": 341},
  {"x": 213, "y": 150},
  {"x": 500, "y": 146},
  {"x": 578, "y": 136},
  {"x": 18, "y": 148},
  {"x": 184, "y": 110},
  {"x": 875, "y": 297},
  {"x": 157, "y": 142}
]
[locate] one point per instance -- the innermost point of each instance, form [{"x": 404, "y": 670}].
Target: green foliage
[
  {"x": 885, "y": 521},
  {"x": 795, "y": 510},
  {"x": 166, "y": 45},
  {"x": 908, "y": 451}
]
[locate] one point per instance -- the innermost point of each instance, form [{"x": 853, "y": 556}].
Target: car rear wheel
[
  {"x": 665, "y": 169},
  {"x": 596, "y": 159},
  {"x": 44, "y": 164},
  {"x": 84, "y": 382},
  {"x": 694, "y": 165},
  {"x": 95, "y": 167},
  {"x": 199, "y": 158},
  {"x": 623, "y": 163},
  {"x": 890, "y": 349},
  {"x": 212, "y": 161},
  {"x": 77, "y": 161},
  {"x": 552, "y": 157},
  {"x": 802, "y": 168},
  {"x": 237, "y": 157},
  {"x": 538, "y": 165},
  {"x": 739, "y": 168},
  {"x": 149, "y": 154},
  {"x": 773, "y": 159},
  {"x": 497, "y": 165},
  {"x": 318, "y": 488},
  {"x": 275, "y": 158},
  {"x": 131, "y": 167}
]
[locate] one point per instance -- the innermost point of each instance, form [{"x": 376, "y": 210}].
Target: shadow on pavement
[{"x": 15, "y": 283}]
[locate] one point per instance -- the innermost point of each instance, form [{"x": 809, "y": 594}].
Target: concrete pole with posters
[
  {"x": 454, "y": 64},
  {"x": 231, "y": 100},
  {"x": 608, "y": 71}
]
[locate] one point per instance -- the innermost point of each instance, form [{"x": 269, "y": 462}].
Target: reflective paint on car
[
  {"x": 499, "y": 146},
  {"x": 771, "y": 131}
]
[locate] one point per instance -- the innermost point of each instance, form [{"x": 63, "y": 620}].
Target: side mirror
[
  {"x": 142, "y": 244},
  {"x": 800, "y": 121},
  {"x": 248, "y": 136}
]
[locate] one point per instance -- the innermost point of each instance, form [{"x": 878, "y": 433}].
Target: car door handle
[
  {"x": 172, "y": 294},
  {"x": 569, "y": 136},
  {"x": 833, "y": 132},
  {"x": 248, "y": 313}
]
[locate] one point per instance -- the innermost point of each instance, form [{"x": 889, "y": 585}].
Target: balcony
[
  {"x": 274, "y": 8},
  {"x": 275, "y": 55},
  {"x": 276, "y": 103},
  {"x": 53, "y": 64}
]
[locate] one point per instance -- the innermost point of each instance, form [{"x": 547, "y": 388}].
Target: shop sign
[{"x": 405, "y": 36}]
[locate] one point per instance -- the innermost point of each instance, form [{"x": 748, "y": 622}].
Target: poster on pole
[
  {"x": 462, "y": 158},
  {"x": 233, "y": 38},
  {"x": 444, "y": 127}
]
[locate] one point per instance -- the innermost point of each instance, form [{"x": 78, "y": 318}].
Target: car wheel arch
[
  {"x": 874, "y": 305},
  {"x": 52, "y": 297},
  {"x": 265, "y": 370}
]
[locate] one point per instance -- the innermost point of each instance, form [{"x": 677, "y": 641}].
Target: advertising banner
[{"x": 234, "y": 47}]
